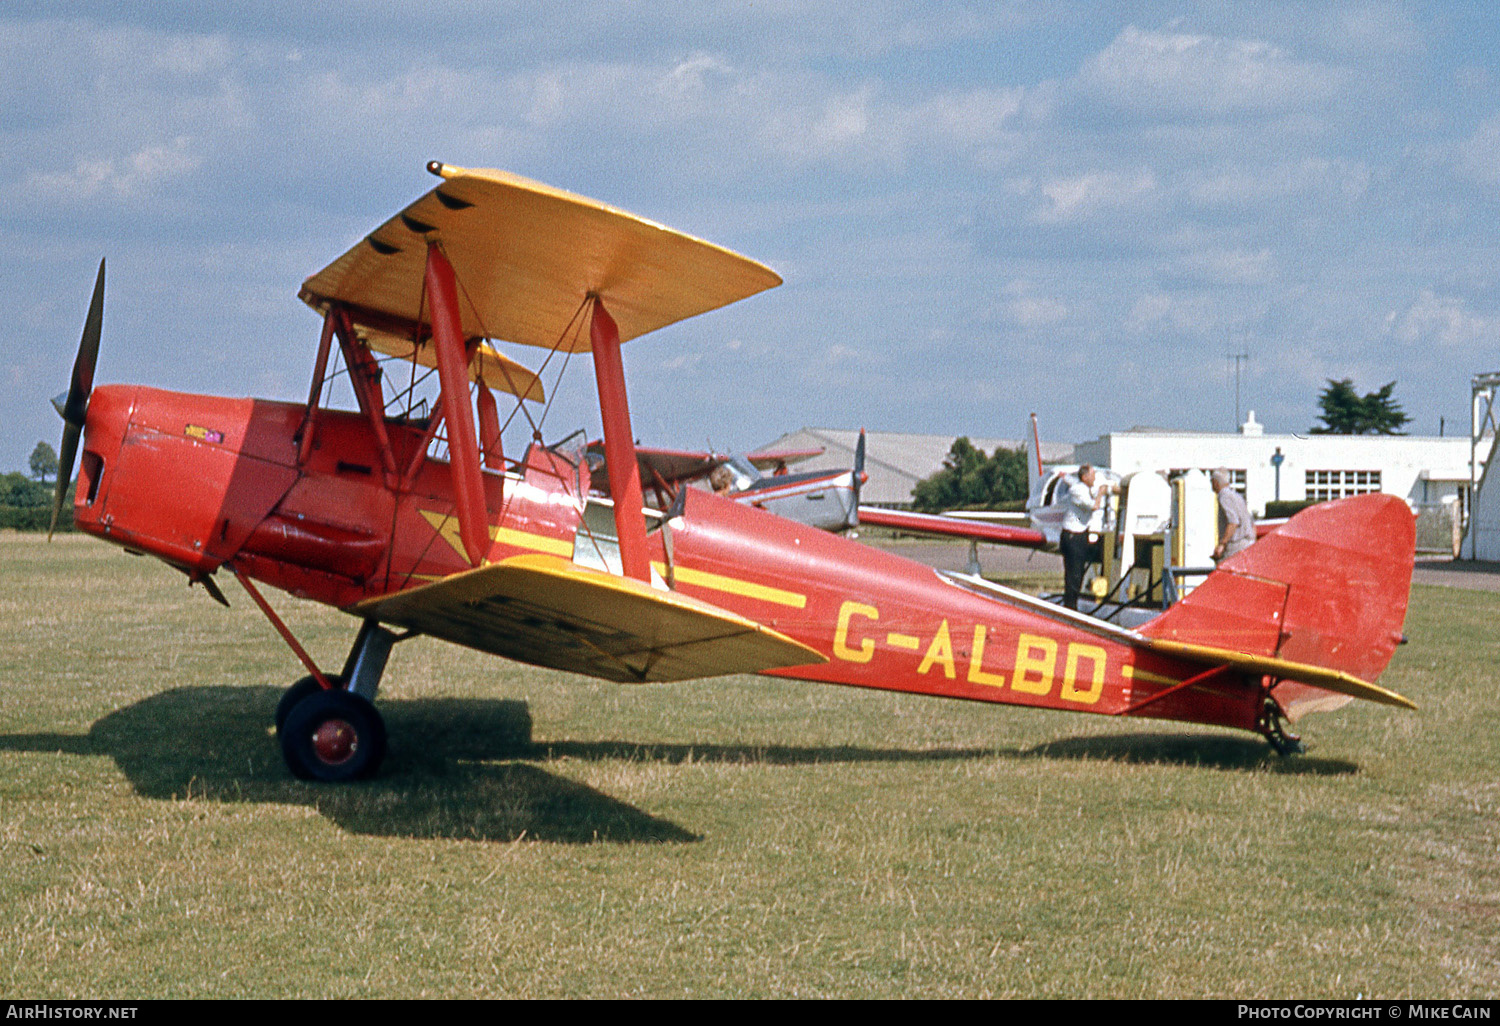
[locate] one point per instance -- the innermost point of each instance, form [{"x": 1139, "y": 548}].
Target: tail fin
[
  {"x": 1328, "y": 589},
  {"x": 1033, "y": 448}
]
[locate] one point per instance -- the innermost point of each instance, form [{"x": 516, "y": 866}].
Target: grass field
[{"x": 537, "y": 834}]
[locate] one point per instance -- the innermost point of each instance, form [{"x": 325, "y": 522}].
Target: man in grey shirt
[{"x": 1238, "y": 530}]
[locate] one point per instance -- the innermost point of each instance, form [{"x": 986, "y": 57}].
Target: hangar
[{"x": 894, "y": 461}]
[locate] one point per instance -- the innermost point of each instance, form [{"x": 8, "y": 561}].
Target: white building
[
  {"x": 1295, "y": 467},
  {"x": 1482, "y": 536}
]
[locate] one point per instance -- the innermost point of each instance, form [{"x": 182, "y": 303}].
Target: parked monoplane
[
  {"x": 825, "y": 499},
  {"x": 1045, "y": 509},
  {"x": 415, "y": 523}
]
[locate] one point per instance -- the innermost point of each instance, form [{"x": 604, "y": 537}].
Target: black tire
[
  {"x": 333, "y": 737},
  {"x": 297, "y": 692}
]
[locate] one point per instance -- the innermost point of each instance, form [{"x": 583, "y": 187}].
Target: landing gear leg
[
  {"x": 1272, "y": 726},
  {"x": 973, "y": 569},
  {"x": 337, "y": 735}
]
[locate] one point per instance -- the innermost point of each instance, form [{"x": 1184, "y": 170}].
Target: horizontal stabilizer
[
  {"x": 548, "y": 611},
  {"x": 1329, "y": 680}
]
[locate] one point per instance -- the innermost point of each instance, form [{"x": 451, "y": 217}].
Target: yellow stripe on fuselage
[
  {"x": 734, "y": 586},
  {"x": 447, "y": 526},
  {"x": 1130, "y": 672}
]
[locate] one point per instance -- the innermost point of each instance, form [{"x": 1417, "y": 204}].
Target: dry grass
[{"x": 536, "y": 834}]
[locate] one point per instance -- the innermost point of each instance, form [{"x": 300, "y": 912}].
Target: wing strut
[
  {"x": 619, "y": 444},
  {"x": 453, "y": 375},
  {"x": 364, "y": 375},
  {"x": 310, "y": 418}
]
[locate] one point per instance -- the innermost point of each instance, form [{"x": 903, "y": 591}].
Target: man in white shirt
[{"x": 1079, "y": 502}]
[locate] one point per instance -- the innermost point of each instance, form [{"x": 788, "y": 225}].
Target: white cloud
[
  {"x": 897, "y": 165},
  {"x": 1478, "y": 156},
  {"x": 184, "y": 56},
  {"x": 1249, "y": 183},
  {"x": 1027, "y": 308},
  {"x": 807, "y": 122},
  {"x": 714, "y": 111},
  {"x": 1370, "y": 29},
  {"x": 1079, "y": 197},
  {"x": 1172, "y": 311},
  {"x": 1442, "y": 320},
  {"x": 844, "y": 119},
  {"x": 1232, "y": 266},
  {"x": 1036, "y": 311},
  {"x": 1183, "y": 73},
  {"x": 132, "y": 176}
]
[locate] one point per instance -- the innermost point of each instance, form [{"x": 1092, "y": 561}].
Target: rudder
[{"x": 1328, "y": 588}]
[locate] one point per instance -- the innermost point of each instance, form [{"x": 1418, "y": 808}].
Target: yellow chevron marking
[{"x": 447, "y": 527}]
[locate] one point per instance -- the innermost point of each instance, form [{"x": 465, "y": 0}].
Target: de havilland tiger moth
[{"x": 415, "y": 523}]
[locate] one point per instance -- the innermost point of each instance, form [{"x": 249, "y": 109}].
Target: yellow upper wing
[{"x": 526, "y": 257}]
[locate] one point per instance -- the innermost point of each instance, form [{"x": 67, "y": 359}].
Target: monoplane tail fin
[{"x": 1321, "y": 600}]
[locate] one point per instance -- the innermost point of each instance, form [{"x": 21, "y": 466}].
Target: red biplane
[{"x": 417, "y": 524}]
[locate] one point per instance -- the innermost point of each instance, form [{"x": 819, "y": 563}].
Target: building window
[{"x": 1323, "y": 485}]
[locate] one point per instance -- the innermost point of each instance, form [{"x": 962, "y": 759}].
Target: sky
[{"x": 1082, "y": 210}]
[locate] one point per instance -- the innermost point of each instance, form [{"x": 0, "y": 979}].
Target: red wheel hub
[{"x": 335, "y": 742}]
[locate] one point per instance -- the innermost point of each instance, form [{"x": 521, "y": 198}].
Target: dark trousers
[{"x": 1077, "y": 554}]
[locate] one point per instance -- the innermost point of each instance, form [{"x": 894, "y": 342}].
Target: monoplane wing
[
  {"x": 657, "y": 466},
  {"x": 670, "y": 467},
  {"x": 975, "y": 530},
  {"x": 770, "y": 459},
  {"x": 550, "y": 612},
  {"x": 527, "y": 257}
]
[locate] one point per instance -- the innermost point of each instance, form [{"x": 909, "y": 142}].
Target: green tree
[
  {"x": 969, "y": 479},
  {"x": 26, "y": 504},
  {"x": 43, "y": 462},
  {"x": 1346, "y": 412}
]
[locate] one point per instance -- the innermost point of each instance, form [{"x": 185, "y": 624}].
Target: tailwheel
[
  {"x": 297, "y": 692},
  {"x": 333, "y": 737},
  {"x": 1272, "y": 726}
]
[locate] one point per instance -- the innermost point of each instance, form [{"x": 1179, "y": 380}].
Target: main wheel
[
  {"x": 297, "y": 692},
  {"x": 333, "y": 737}
]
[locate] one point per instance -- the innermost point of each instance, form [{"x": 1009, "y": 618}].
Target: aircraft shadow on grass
[
  {"x": 464, "y": 769},
  {"x": 440, "y": 779},
  {"x": 1209, "y": 751}
]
